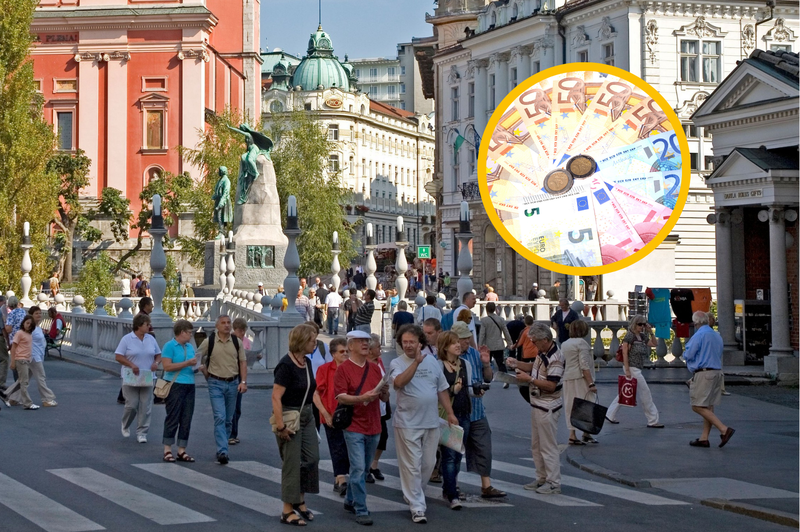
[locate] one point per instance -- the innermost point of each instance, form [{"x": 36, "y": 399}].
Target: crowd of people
[{"x": 445, "y": 364}]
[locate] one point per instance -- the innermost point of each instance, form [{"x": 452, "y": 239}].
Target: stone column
[
  {"x": 401, "y": 265},
  {"x": 117, "y": 135},
  {"x": 193, "y": 84},
  {"x": 88, "y": 136},
  {"x": 371, "y": 266},
  {"x": 291, "y": 261},
  {"x": 725, "y": 319},
  {"x": 481, "y": 86},
  {"x": 779, "y": 363},
  {"x": 335, "y": 267},
  {"x": 523, "y": 63},
  {"x": 27, "y": 266}
]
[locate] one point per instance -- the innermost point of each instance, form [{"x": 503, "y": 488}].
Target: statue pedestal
[{"x": 257, "y": 227}]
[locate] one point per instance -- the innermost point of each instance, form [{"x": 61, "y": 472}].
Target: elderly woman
[
  {"x": 293, "y": 391},
  {"x": 635, "y": 351},
  {"x": 578, "y": 375},
  {"x": 178, "y": 359},
  {"x": 139, "y": 355},
  {"x": 326, "y": 403},
  {"x": 145, "y": 307}
]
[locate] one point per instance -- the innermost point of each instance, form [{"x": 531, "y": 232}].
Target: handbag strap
[
  {"x": 308, "y": 386},
  {"x": 363, "y": 377}
]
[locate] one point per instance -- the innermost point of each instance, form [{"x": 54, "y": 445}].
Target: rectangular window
[
  {"x": 690, "y": 130},
  {"x": 513, "y": 77},
  {"x": 536, "y": 67},
  {"x": 403, "y": 105},
  {"x": 471, "y": 160},
  {"x": 352, "y": 133},
  {"x": 392, "y": 72},
  {"x": 402, "y": 88},
  {"x": 154, "y": 84},
  {"x": 583, "y": 56},
  {"x": 307, "y": 107},
  {"x": 693, "y": 161},
  {"x": 373, "y": 74},
  {"x": 363, "y": 168},
  {"x": 392, "y": 90},
  {"x": 155, "y": 130},
  {"x": 695, "y": 54},
  {"x": 333, "y": 163},
  {"x": 712, "y": 62},
  {"x": 454, "y": 103},
  {"x": 402, "y": 71},
  {"x": 373, "y": 93},
  {"x": 37, "y": 85},
  {"x": 491, "y": 92},
  {"x": 65, "y": 85},
  {"x": 64, "y": 121},
  {"x": 471, "y": 100},
  {"x": 608, "y": 54},
  {"x": 781, "y": 47},
  {"x": 333, "y": 132}
]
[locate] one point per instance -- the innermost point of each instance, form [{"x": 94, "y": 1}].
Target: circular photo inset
[{"x": 587, "y": 169}]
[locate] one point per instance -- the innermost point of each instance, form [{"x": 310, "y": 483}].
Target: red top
[
  {"x": 325, "y": 375},
  {"x": 366, "y": 418},
  {"x": 53, "y": 329}
]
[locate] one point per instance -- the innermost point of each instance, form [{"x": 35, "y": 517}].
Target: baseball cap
[
  {"x": 260, "y": 284},
  {"x": 461, "y": 329},
  {"x": 358, "y": 335}
]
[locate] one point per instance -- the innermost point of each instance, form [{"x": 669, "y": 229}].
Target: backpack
[
  {"x": 211, "y": 338},
  {"x": 141, "y": 290}
]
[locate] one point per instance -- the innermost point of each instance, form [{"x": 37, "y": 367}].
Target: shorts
[{"x": 705, "y": 388}]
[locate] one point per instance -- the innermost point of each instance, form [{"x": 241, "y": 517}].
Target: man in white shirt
[
  {"x": 429, "y": 311},
  {"x": 469, "y": 302},
  {"x": 126, "y": 287},
  {"x": 332, "y": 303}
]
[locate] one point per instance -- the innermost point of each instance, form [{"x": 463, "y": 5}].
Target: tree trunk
[{"x": 130, "y": 253}]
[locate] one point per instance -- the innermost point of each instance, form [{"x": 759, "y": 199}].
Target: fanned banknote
[
  {"x": 647, "y": 217},
  {"x": 511, "y": 146},
  {"x": 653, "y": 154},
  {"x": 562, "y": 228},
  {"x": 535, "y": 108},
  {"x": 618, "y": 238},
  {"x": 569, "y": 104}
]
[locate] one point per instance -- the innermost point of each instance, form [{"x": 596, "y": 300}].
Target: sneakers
[
  {"x": 370, "y": 479},
  {"x": 233, "y": 441},
  {"x": 455, "y": 504},
  {"x": 141, "y": 438},
  {"x": 505, "y": 386},
  {"x": 419, "y": 518},
  {"x": 125, "y": 431},
  {"x": 49, "y": 403},
  {"x": 436, "y": 478},
  {"x": 548, "y": 489},
  {"x": 349, "y": 508},
  {"x": 536, "y": 484},
  {"x": 377, "y": 474},
  {"x": 365, "y": 520},
  {"x": 32, "y": 407},
  {"x": 222, "y": 458}
]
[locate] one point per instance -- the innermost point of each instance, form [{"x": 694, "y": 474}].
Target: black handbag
[
  {"x": 587, "y": 416},
  {"x": 343, "y": 415}
]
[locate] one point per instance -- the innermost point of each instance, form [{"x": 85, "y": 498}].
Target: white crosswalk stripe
[
  {"x": 273, "y": 474},
  {"x": 719, "y": 488},
  {"x": 149, "y": 505},
  {"x": 431, "y": 492},
  {"x": 472, "y": 479},
  {"x": 589, "y": 485},
  {"x": 248, "y": 498},
  {"x": 41, "y": 510}
]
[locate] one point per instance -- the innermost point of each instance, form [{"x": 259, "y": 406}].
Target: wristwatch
[
  {"x": 591, "y": 384},
  {"x": 243, "y": 382}
]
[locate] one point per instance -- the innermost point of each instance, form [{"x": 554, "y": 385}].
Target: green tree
[
  {"x": 97, "y": 279},
  {"x": 300, "y": 159},
  {"x": 27, "y": 191}
]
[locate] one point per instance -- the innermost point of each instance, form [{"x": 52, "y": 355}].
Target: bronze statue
[
  {"x": 257, "y": 144},
  {"x": 223, "y": 208}
]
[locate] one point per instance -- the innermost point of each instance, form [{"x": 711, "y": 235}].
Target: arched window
[
  {"x": 490, "y": 235},
  {"x": 152, "y": 172}
]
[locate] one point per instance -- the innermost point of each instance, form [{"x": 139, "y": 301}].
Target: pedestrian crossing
[{"x": 48, "y": 508}]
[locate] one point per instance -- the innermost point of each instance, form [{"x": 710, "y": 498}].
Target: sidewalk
[{"x": 755, "y": 474}]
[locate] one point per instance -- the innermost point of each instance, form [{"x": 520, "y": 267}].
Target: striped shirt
[
  {"x": 364, "y": 313},
  {"x": 473, "y": 358},
  {"x": 548, "y": 366}
]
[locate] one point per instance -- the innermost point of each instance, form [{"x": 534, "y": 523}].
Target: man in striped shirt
[{"x": 363, "y": 319}]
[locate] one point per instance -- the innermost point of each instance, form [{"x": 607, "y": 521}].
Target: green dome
[{"x": 320, "y": 67}]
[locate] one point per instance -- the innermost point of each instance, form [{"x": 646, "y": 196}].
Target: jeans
[
  {"x": 180, "y": 408},
  {"x": 451, "y": 464},
  {"x": 236, "y": 415},
  {"x": 360, "y": 451},
  {"x": 333, "y": 321},
  {"x": 223, "y": 405},
  {"x": 367, "y": 328}
]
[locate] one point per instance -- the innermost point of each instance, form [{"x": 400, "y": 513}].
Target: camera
[
  {"x": 478, "y": 388},
  {"x": 534, "y": 391}
]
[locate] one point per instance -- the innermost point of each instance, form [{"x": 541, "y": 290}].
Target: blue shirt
[
  {"x": 38, "y": 345},
  {"x": 179, "y": 353},
  {"x": 704, "y": 350},
  {"x": 473, "y": 358}
]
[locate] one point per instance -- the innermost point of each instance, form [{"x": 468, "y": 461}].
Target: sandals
[
  {"x": 573, "y": 441},
  {"x": 589, "y": 439},
  {"x": 305, "y": 514},
  {"x": 183, "y": 457},
  {"x": 295, "y": 522},
  {"x": 168, "y": 457}
]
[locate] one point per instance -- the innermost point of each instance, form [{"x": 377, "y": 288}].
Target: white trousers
[
  {"x": 544, "y": 447},
  {"x": 416, "y": 457},
  {"x": 643, "y": 398}
]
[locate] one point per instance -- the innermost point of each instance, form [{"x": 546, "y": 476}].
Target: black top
[
  {"x": 515, "y": 328},
  {"x": 681, "y": 301},
  {"x": 462, "y": 406},
  {"x": 294, "y": 379},
  {"x": 561, "y": 323},
  {"x": 401, "y": 317}
]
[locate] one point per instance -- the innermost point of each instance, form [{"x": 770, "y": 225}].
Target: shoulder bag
[
  {"x": 291, "y": 418},
  {"x": 343, "y": 415}
]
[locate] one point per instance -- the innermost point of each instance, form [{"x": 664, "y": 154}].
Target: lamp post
[
  {"x": 27, "y": 265},
  {"x": 464, "y": 236},
  {"x": 161, "y": 322},
  {"x": 291, "y": 261},
  {"x": 401, "y": 265},
  {"x": 371, "y": 266},
  {"x": 335, "y": 268}
]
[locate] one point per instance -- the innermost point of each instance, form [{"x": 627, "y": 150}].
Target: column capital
[
  {"x": 479, "y": 63},
  {"x": 776, "y": 214}
]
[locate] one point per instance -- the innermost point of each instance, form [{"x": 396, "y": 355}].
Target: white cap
[
  {"x": 535, "y": 284},
  {"x": 359, "y": 335},
  {"x": 260, "y": 284}
]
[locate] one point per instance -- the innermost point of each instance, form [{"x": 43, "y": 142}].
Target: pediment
[
  {"x": 736, "y": 167},
  {"x": 154, "y": 98},
  {"x": 700, "y": 28}
]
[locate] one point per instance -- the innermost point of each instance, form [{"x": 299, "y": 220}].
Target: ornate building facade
[
  {"x": 383, "y": 154},
  {"x": 483, "y": 49}
]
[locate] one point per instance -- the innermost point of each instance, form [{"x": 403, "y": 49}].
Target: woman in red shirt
[{"x": 325, "y": 401}]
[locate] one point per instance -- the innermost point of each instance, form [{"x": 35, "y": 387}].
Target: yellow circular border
[{"x": 686, "y": 171}]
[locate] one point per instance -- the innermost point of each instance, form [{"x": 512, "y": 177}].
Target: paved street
[{"x": 69, "y": 469}]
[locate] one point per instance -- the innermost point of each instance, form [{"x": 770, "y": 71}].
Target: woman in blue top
[{"x": 178, "y": 360}]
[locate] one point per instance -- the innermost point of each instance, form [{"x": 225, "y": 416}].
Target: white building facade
[
  {"x": 384, "y": 155},
  {"x": 484, "y": 49}
]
